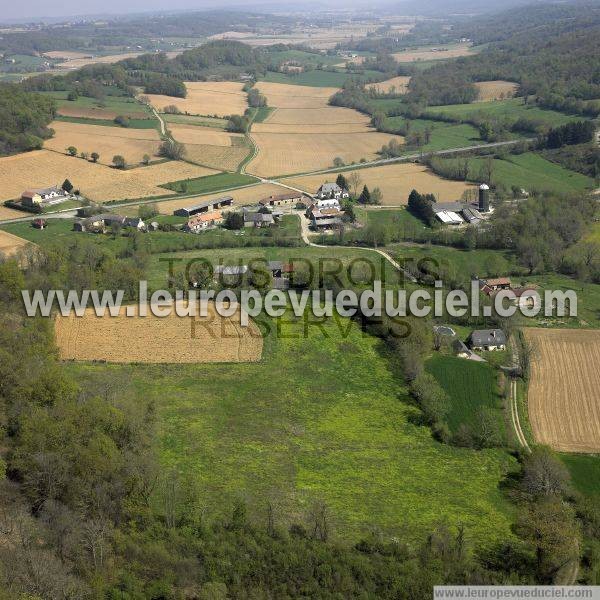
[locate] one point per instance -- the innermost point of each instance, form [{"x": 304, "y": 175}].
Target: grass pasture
[
  {"x": 585, "y": 473},
  {"x": 470, "y": 386},
  {"x": 210, "y": 183},
  {"x": 107, "y": 108},
  {"x": 321, "y": 418},
  {"x": 511, "y": 109}
]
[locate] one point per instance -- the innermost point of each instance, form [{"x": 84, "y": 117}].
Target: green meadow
[
  {"x": 470, "y": 386},
  {"x": 513, "y": 109},
  {"x": 323, "y": 417}
]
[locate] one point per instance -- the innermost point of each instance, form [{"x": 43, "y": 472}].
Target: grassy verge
[
  {"x": 210, "y": 183},
  {"x": 133, "y": 123},
  {"x": 585, "y": 473}
]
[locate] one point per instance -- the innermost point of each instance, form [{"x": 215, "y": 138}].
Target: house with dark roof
[
  {"x": 204, "y": 207},
  {"x": 487, "y": 339},
  {"x": 331, "y": 191}
]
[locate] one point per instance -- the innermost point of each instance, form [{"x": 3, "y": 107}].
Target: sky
[{"x": 37, "y": 10}]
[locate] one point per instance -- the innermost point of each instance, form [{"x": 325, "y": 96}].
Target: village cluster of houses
[{"x": 326, "y": 212}]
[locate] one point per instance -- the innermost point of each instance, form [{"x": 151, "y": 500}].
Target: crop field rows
[
  {"x": 564, "y": 404},
  {"x": 304, "y": 133},
  {"x": 211, "y": 98}
]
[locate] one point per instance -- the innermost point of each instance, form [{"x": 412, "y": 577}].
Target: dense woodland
[{"x": 24, "y": 119}]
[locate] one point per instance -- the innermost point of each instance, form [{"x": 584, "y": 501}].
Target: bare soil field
[
  {"x": 269, "y": 127},
  {"x": 42, "y": 168},
  {"x": 563, "y": 398},
  {"x": 152, "y": 339},
  {"x": 434, "y": 53},
  {"x": 11, "y": 244},
  {"x": 398, "y": 85},
  {"x": 211, "y": 98},
  {"x": 241, "y": 197},
  {"x": 395, "y": 182},
  {"x": 282, "y": 95},
  {"x": 106, "y": 141},
  {"x": 495, "y": 90}
]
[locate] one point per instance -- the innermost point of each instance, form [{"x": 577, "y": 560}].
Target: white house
[
  {"x": 331, "y": 190},
  {"x": 51, "y": 195}
]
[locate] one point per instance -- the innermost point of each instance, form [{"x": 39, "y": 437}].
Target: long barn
[{"x": 203, "y": 207}]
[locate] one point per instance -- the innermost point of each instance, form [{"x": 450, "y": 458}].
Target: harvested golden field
[
  {"x": 281, "y": 154},
  {"x": 227, "y": 158},
  {"x": 306, "y": 134},
  {"x": 395, "y": 181},
  {"x": 10, "y": 244},
  {"x": 241, "y": 197},
  {"x": 495, "y": 90},
  {"x": 77, "y": 63},
  {"x": 152, "y": 339},
  {"x": 10, "y": 213},
  {"x": 106, "y": 141},
  {"x": 563, "y": 398},
  {"x": 210, "y": 146},
  {"x": 434, "y": 53},
  {"x": 42, "y": 168},
  {"x": 66, "y": 54},
  {"x": 282, "y": 95},
  {"x": 398, "y": 85},
  {"x": 86, "y": 112},
  {"x": 321, "y": 117},
  {"x": 195, "y": 134},
  {"x": 220, "y": 98}
]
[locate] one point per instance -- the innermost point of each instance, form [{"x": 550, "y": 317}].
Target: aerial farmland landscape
[{"x": 299, "y": 300}]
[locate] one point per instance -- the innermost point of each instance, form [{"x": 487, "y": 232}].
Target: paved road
[
  {"x": 305, "y": 232},
  {"x": 373, "y": 163}
]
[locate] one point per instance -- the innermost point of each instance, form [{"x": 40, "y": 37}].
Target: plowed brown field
[
  {"x": 152, "y": 339},
  {"x": 564, "y": 396}
]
